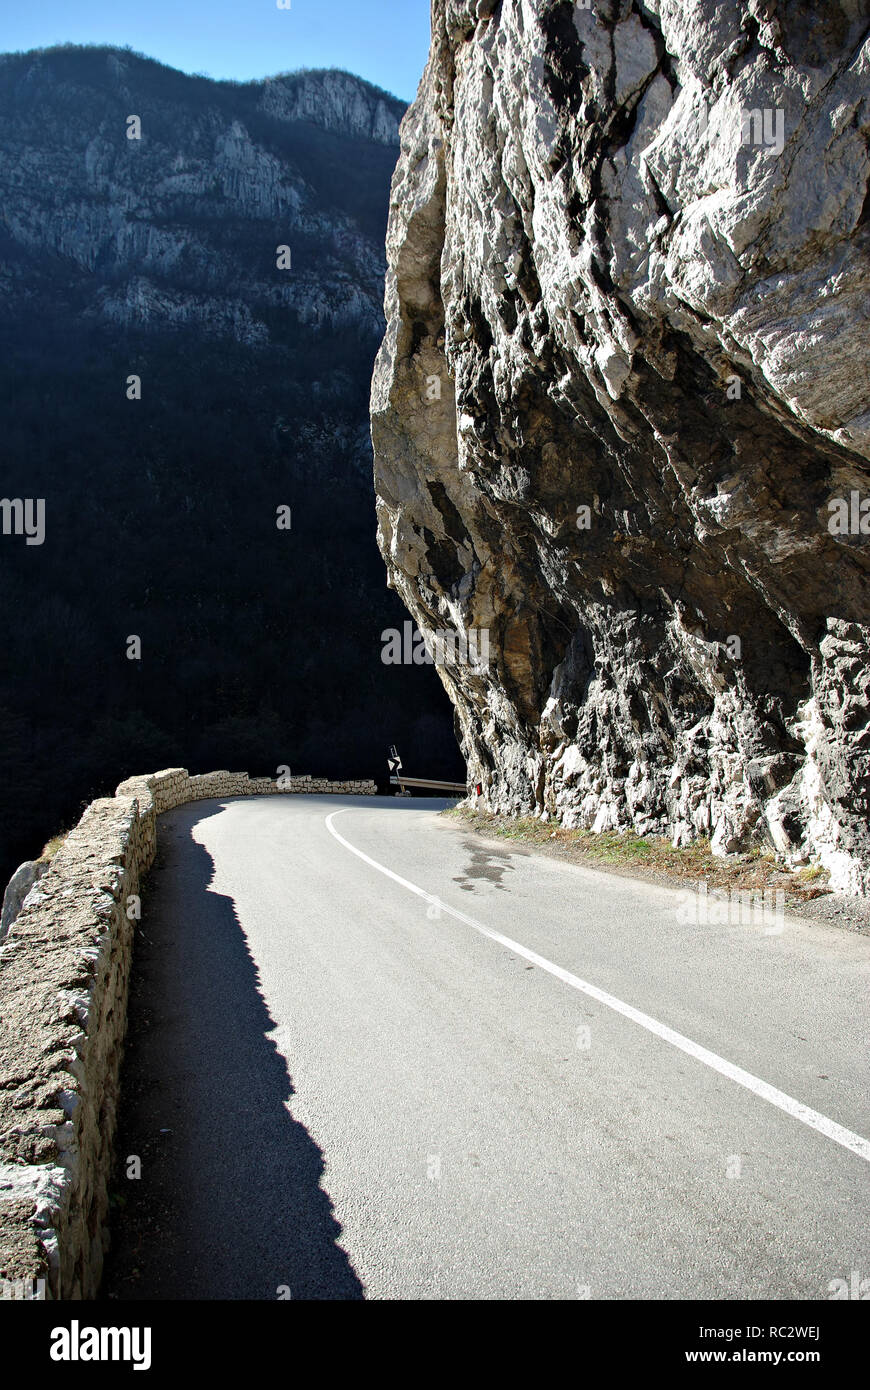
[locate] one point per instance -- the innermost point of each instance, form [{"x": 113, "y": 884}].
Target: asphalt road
[{"x": 371, "y": 1056}]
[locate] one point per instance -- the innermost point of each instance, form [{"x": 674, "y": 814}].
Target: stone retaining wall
[
  {"x": 64, "y": 977},
  {"x": 175, "y": 787}
]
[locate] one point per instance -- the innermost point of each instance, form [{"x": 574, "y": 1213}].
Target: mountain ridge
[
  {"x": 144, "y": 217},
  {"x": 305, "y": 82}
]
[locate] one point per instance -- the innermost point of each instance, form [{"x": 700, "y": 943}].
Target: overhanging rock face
[{"x": 621, "y": 415}]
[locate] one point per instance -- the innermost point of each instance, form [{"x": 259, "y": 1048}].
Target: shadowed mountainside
[{"x": 157, "y": 258}]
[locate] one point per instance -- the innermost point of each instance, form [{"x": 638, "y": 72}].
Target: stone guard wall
[{"x": 64, "y": 977}]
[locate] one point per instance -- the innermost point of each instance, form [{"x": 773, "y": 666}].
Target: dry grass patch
[
  {"x": 51, "y": 848},
  {"x": 650, "y": 856}
]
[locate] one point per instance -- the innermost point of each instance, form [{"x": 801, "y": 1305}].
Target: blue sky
[{"x": 385, "y": 41}]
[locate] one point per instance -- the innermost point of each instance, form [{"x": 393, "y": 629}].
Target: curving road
[{"x": 372, "y": 1056}]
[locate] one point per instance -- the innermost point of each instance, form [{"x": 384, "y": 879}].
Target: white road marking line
[{"x": 829, "y": 1128}]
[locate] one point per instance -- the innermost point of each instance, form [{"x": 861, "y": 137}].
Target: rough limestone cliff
[{"x": 621, "y": 415}]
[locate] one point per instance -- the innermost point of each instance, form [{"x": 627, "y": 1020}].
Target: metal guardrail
[{"x": 459, "y": 788}]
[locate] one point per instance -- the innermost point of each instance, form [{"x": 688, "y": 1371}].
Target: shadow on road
[{"x": 229, "y": 1203}]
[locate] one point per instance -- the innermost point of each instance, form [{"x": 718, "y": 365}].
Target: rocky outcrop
[
  {"x": 17, "y": 889},
  {"x": 336, "y": 101},
  {"x": 623, "y": 401}
]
